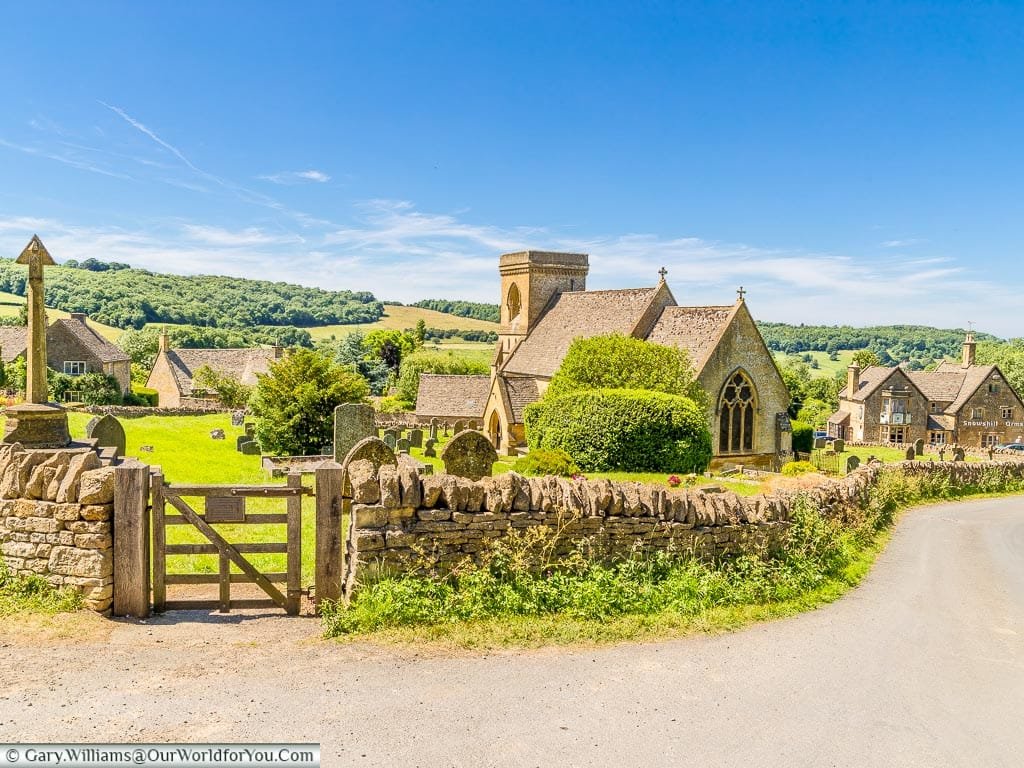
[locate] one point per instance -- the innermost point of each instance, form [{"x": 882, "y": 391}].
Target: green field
[
  {"x": 11, "y": 304},
  {"x": 826, "y": 367},
  {"x": 400, "y": 318}
]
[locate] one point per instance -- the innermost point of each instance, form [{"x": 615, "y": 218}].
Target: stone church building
[
  {"x": 958, "y": 403},
  {"x": 545, "y": 306}
]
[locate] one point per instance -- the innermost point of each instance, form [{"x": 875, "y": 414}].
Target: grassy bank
[
  {"x": 33, "y": 595},
  {"x": 508, "y": 601}
]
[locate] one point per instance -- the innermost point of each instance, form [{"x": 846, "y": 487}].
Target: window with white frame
[
  {"x": 989, "y": 441},
  {"x": 74, "y": 367},
  {"x": 1006, "y": 413}
]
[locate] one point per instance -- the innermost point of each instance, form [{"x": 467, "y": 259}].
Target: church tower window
[
  {"x": 736, "y": 415},
  {"x": 513, "y": 303}
]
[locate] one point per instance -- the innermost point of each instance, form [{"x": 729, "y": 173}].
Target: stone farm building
[
  {"x": 174, "y": 369},
  {"x": 72, "y": 347},
  {"x": 958, "y": 403},
  {"x": 545, "y": 306},
  {"x": 452, "y": 398}
]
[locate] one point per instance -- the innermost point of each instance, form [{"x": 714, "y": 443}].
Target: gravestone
[
  {"x": 416, "y": 438},
  {"x": 352, "y": 422},
  {"x": 460, "y": 426},
  {"x": 394, "y": 433},
  {"x": 919, "y": 447},
  {"x": 107, "y": 432},
  {"x": 373, "y": 450},
  {"x": 428, "y": 448},
  {"x": 402, "y": 446},
  {"x": 433, "y": 432},
  {"x": 852, "y": 462},
  {"x": 473, "y": 425},
  {"x": 819, "y": 443},
  {"x": 237, "y": 418},
  {"x": 389, "y": 439},
  {"x": 250, "y": 448},
  {"x": 958, "y": 454},
  {"x": 838, "y": 445},
  {"x": 911, "y": 453},
  {"x": 942, "y": 453},
  {"x": 216, "y": 434},
  {"x": 242, "y": 440},
  {"x": 469, "y": 454}
]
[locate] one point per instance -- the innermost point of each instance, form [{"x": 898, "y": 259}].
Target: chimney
[
  {"x": 79, "y": 316},
  {"x": 852, "y": 380},
  {"x": 970, "y": 351},
  {"x": 165, "y": 341}
]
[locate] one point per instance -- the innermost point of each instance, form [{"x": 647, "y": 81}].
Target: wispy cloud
[
  {"x": 904, "y": 243},
  {"x": 250, "y": 236},
  {"x": 166, "y": 145},
  {"x": 289, "y": 178},
  {"x": 66, "y": 159}
]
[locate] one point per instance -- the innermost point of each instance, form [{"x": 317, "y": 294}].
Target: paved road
[{"x": 923, "y": 665}]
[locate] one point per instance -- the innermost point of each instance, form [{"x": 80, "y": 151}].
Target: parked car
[
  {"x": 820, "y": 433},
  {"x": 1012, "y": 447}
]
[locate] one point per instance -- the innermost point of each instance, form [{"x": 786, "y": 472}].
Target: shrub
[
  {"x": 803, "y": 437},
  {"x": 294, "y": 402},
  {"x": 623, "y": 429},
  {"x": 230, "y": 391},
  {"x": 547, "y": 462},
  {"x": 615, "y": 361},
  {"x": 89, "y": 388},
  {"x": 424, "y": 361},
  {"x": 143, "y": 396},
  {"x": 393, "y": 404},
  {"x": 795, "y": 468}
]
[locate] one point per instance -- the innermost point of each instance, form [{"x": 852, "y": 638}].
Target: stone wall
[
  {"x": 56, "y": 514},
  {"x": 138, "y": 411},
  {"x": 404, "y": 523}
]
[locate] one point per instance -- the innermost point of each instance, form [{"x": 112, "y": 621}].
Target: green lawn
[{"x": 826, "y": 368}]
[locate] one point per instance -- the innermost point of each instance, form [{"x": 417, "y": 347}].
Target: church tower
[{"x": 529, "y": 280}]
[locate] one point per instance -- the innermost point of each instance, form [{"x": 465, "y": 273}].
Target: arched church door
[{"x": 494, "y": 428}]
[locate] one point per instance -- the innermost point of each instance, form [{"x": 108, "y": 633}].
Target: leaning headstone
[
  {"x": 919, "y": 447},
  {"x": 352, "y": 422},
  {"x": 216, "y": 434},
  {"x": 911, "y": 453},
  {"x": 958, "y": 454},
  {"x": 469, "y": 454},
  {"x": 852, "y": 462},
  {"x": 819, "y": 443},
  {"x": 428, "y": 448},
  {"x": 107, "y": 432},
  {"x": 250, "y": 448},
  {"x": 402, "y": 446},
  {"x": 389, "y": 439},
  {"x": 416, "y": 438},
  {"x": 838, "y": 445},
  {"x": 237, "y": 418}
]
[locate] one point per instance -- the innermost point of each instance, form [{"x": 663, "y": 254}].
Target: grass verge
[
  {"x": 512, "y": 598},
  {"x": 33, "y": 595}
]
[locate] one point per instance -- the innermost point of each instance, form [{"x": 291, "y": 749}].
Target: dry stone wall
[
  {"x": 402, "y": 522},
  {"x": 56, "y": 515}
]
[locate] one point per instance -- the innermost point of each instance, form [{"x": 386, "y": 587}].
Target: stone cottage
[
  {"x": 174, "y": 369},
  {"x": 72, "y": 347},
  {"x": 545, "y": 306},
  {"x": 963, "y": 403}
]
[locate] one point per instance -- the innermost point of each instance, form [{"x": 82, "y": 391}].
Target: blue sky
[{"x": 845, "y": 162}]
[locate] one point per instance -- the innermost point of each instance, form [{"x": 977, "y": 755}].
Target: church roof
[
  {"x": 447, "y": 396},
  {"x": 521, "y": 392},
  {"x": 240, "y": 364},
  {"x": 694, "y": 329},
  {"x": 574, "y": 315}
]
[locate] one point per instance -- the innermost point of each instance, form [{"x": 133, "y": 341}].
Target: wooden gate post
[
  {"x": 131, "y": 540},
  {"x": 328, "y": 531}
]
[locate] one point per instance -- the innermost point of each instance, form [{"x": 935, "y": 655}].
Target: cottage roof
[
  {"x": 446, "y": 396},
  {"x": 76, "y": 326},
  {"x": 240, "y": 364},
  {"x": 939, "y": 386},
  {"x": 13, "y": 341},
  {"x": 940, "y": 422},
  {"x": 871, "y": 378},
  {"x": 574, "y": 315},
  {"x": 839, "y": 417},
  {"x": 694, "y": 329}
]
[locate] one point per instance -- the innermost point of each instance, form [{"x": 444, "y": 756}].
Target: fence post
[
  {"x": 131, "y": 540},
  {"x": 328, "y": 532}
]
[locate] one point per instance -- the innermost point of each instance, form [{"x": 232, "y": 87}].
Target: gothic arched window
[
  {"x": 513, "y": 302},
  {"x": 736, "y": 415}
]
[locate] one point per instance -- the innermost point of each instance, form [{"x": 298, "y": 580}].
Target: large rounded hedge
[{"x": 630, "y": 430}]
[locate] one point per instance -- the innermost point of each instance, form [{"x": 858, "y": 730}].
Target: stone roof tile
[
  {"x": 694, "y": 329},
  {"x": 240, "y": 364},
  {"x": 449, "y": 397}
]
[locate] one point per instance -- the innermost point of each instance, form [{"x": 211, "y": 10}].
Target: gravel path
[{"x": 923, "y": 665}]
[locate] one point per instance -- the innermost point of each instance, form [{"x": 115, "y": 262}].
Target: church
[{"x": 545, "y": 305}]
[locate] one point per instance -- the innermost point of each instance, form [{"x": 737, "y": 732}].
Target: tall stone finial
[
  {"x": 741, "y": 292},
  {"x": 36, "y": 257},
  {"x": 662, "y": 272}
]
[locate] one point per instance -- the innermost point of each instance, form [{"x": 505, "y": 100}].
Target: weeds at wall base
[{"x": 647, "y": 597}]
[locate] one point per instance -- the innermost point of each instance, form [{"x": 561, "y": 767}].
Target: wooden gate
[{"x": 227, "y": 504}]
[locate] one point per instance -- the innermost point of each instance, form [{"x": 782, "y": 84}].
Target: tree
[
  {"x": 294, "y": 402},
  {"x": 865, "y": 358},
  {"x": 1009, "y": 356},
  {"x": 424, "y": 361},
  {"x": 230, "y": 391},
  {"x": 614, "y": 361},
  {"x": 420, "y": 334}
]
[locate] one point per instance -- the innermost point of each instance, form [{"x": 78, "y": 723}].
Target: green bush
[
  {"x": 622, "y": 429},
  {"x": 794, "y": 468},
  {"x": 393, "y": 404},
  {"x": 427, "y": 361},
  {"x": 547, "y": 462},
  {"x": 803, "y": 437},
  {"x": 89, "y": 388},
  {"x": 144, "y": 396}
]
